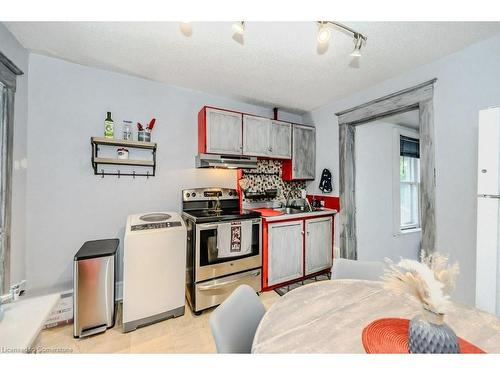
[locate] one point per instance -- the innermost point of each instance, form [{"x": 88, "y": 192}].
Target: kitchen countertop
[
  {"x": 300, "y": 215},
  {"x": 23, "y": 322}
]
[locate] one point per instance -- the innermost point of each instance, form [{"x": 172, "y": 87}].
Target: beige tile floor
[{"x": 186, "y": 334}]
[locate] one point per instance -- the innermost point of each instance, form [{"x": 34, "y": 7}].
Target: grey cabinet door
[
  {"x": 256, "y": 136},
  {"x": 224, "y": 133},
  {"x": 304, "y": 152},
  {"x": 285, "y": 251},
  {"x": 281, "y": 140},
  {"x": 319, "y": 245}
]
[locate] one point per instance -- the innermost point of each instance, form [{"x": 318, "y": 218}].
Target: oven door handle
[{"x": 226, "y": 283}]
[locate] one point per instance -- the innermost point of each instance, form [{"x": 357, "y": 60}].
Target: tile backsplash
[{"x": 268, "y": 175}]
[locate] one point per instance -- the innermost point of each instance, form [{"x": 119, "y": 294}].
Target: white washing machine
[{"x": 154, "y": 268}]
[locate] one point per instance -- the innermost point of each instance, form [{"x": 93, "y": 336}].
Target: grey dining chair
[
  {"x": 357, "y": 269},
  {"x": 235, "y": 321}
]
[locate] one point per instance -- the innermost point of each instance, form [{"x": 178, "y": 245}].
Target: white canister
[{"x": 122, "y": 153}]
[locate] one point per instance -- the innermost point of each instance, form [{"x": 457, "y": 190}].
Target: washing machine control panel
[{"x": 160, "y": 225}]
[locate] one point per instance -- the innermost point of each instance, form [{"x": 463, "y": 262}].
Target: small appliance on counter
[
  {"x": 223, "y": 248},
  {"x": 94, "y": 287},
  {"x": 154, "y": 269}
]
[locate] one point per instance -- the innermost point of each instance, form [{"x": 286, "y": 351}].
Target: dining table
[{"x": 329, "y": 317}]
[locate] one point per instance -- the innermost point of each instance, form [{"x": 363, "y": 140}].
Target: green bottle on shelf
[{"x": 108, "y": 127}]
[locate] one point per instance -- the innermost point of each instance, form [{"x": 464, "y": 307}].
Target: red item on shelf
[
  {"x": 390, "y": 336},
  {"x": 152, "y": 124}
]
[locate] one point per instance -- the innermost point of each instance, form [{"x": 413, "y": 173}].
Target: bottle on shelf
[
  {"x": 109, "y": 126},
  {"x": 127, "y": 130}
]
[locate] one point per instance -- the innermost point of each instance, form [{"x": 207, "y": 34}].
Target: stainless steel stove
[{"x": 223, "y": 246}]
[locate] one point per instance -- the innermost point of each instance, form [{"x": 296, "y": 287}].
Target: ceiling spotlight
[
  {"x": 324, "y": 32},
  {"x": 358, "y": 43},
  {"x": 239, "y": 27}
]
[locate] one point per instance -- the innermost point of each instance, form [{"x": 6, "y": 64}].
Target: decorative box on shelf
[{"x": 97, "y": 142}]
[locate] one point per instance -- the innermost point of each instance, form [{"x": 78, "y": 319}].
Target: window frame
[{"x": 398, "y": 229}]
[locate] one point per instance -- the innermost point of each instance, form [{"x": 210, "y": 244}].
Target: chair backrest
[
  {"x": 357, "y": 269},
  {"x": 235, "y": 321}
]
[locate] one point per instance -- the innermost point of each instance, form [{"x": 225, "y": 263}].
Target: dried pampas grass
[
  {"x": 428, "y": 281},
  {"x": 443, "y": 272}
]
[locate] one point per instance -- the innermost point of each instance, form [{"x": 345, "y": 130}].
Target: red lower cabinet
[{"x": 294, "y": 249}]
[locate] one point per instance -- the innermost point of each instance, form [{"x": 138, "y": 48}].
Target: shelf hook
[
  {"x": 133, "y": 174},
  {"x": 118, "y": 173},
  {"x": 147, "y": 175},
  {"x": 102, "y": 173}
]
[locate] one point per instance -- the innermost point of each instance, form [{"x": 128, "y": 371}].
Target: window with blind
[{"x": 409, "y": 183}]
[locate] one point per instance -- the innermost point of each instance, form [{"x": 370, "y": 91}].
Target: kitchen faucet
[{"x": 289, "y": 194}]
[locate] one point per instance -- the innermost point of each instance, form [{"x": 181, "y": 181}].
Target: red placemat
[{"x": 390, "y": 336}]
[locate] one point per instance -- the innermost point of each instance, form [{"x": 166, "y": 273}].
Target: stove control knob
[
  {"x": 230, "y": 193},
  {"x": 193, "y": 195},
  {"x": 188, "y": 195}
]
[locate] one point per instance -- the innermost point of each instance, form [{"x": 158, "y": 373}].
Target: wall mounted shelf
[{"x": 96, "y": 142}]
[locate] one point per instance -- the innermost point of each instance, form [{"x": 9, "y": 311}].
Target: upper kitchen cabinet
[
  {"x": 256, "y": 131},
  {"x": 281, "y": 139},
  {"x": 266, "y": 138},
  {"x": 219, "y": 132},
  {"x": 303, "y": 163}
]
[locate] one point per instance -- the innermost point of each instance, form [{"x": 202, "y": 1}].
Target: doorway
[
  {"x": 418, "y": 98},
  {"x": 387, "y": 188},
  {"x": 8, "y": 73}
]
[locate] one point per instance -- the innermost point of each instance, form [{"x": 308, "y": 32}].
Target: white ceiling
[{"x": 277, "y": 64}]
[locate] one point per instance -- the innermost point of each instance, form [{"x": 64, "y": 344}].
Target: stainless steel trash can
[{"x": 94, "y": 287}]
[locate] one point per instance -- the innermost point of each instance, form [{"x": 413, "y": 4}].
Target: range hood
[{"x": 225, "y": 161}]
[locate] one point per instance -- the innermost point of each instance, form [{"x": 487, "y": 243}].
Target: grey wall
[
  {"x": 11, "y": 48},
  {"x": 67, "y": 204},
  {"x": 468, "y": 81},
  {"x": 376, "y": 237}
]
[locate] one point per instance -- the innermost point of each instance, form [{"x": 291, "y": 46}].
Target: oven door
[{"x": 210, "y": 263}]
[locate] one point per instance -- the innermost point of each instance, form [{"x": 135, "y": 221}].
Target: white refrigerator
[{"x": 488, "y": 212}]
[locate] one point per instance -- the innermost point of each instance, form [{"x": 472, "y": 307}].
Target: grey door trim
[
  {"x": 8, "y": 73},
  {"x": 417, "y": 97}
]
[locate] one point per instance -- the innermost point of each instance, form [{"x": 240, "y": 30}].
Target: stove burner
[{"x": 215, "y": 212}]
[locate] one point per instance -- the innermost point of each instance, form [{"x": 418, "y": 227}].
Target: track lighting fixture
[
  {"x": 323, "y": 36},
  {"x": 324, "y": 32},
  {"x": 239, "y": 27},
  {"x": 358, "y": 43}
]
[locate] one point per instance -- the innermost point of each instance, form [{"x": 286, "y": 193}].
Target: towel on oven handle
[{"x": 234, "y": 239}]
